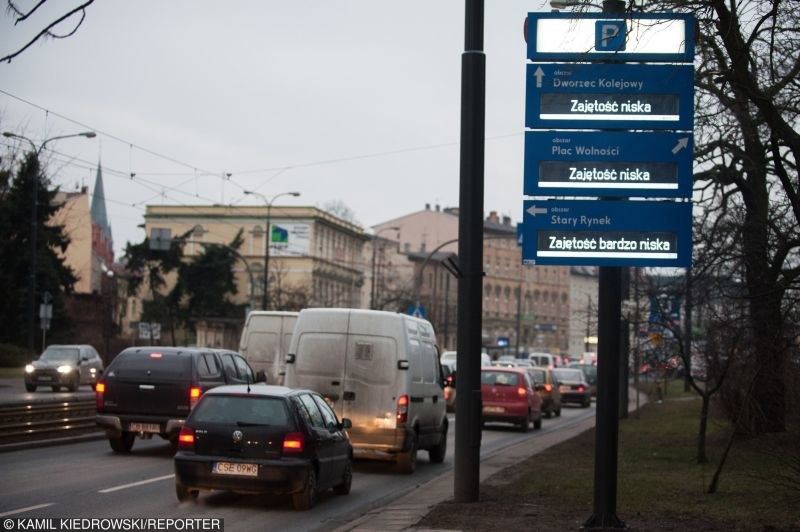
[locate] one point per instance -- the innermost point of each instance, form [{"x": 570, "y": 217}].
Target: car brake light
[
  {"x": 402, "y": 409},
  {"x": 522, "y": 392},
  {"x": 581, "y": 388},
  {"x": 99, "y": 391},
  {"x": 293, "y": 442},
  {"x": 156, "y": 355},
  {"x": 186, "y": 438},
  {"x": 194, "y": 396},
  {"x": 548, "y": 387}
]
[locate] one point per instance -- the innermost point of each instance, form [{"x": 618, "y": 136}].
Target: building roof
[{"x": 98, "y": 211}]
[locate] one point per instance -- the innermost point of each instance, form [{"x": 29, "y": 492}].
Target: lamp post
[
  {"x": 34, "y": 224},
  {"x": 374, "y": 292},
  {"x": 268, "y": 202}
]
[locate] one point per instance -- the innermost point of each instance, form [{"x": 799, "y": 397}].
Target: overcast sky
[{"x": 353, "y": 100}]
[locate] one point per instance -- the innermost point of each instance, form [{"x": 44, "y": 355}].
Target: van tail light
[
  {"x": 186, "y": 438},
  {"x": 99, "y": 394},
  {"x": 293, "y": 442},
  {"x": 522, "y": 392},
  {"x": 402, "y": 409},
  {"x": 194, "y": 396},
  {"x": 548, "y": 388}
]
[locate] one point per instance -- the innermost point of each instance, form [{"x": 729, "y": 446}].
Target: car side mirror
[
  {"x": 346, "y": 423},
  {"x": 261, "y": 376}
]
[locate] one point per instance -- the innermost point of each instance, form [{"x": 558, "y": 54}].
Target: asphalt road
[
  {"x": 88, "y": 480},
  {"x": 13, "y": 391}
]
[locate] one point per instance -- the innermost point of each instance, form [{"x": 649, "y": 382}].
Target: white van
[
  {"x": 545, "y": 360},
  {"x": 380, "y": 370},
  {"x": 265, "y": 342},
  {"x": 449, "y": 357}
]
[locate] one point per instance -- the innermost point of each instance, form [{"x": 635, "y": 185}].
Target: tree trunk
[{"x": 702, "y": 458}]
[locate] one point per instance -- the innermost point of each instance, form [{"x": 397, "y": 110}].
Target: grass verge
[{"x": 660, "y": 485}]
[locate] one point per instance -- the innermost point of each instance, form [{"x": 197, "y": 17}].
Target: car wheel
[
  {"x": 305, "y": 499},
  {"x": 124, "y": 443},
  {"x": 548, "y": 413},
  {"x": 55, "y": 388},
  {"x": 347, "y": 479},
  {"x": 525, "y": 423},
  {"x": 74, "y": 384},
  {"x": 184, "y": 494},
  {"x": 538, "y": 423},
  {"x": 30, "y": 387},
  {"x": 407, "y": 461},
  {"x": 437, "y": 454},
  {"x": 587, "y": 403},
  {"x": 558, "y": 412}
]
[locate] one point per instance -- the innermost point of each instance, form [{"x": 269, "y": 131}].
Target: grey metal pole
[
  {"x": 470, "y": 252},
  {"x": 265, "y": 296}
]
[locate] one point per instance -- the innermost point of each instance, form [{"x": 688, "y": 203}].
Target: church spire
[{"x": 98, "y": 212}]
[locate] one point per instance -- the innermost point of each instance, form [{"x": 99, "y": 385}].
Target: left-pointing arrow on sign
[{"x": 533, "y": 210}]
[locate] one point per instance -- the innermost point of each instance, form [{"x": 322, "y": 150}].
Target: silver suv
[{"x": 67, "y": 366}]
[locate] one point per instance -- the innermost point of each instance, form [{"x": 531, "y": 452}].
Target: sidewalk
[{"x": 408, "y": 510}]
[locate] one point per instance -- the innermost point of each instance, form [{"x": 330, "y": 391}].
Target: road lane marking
[
  {"x": 134, "y": 484},
  {"x": 28, "y": 509}
]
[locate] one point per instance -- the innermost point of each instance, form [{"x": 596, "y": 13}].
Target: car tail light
[
  {"x": 581, "y": 388},
  {"x": 522, "y": 392},
  {"x": 402, "y": 409},
  {"x": 194, "y": 396},
  {"x": 449, "y": 380},
  {"x": 548, "y": 388},
  {"x": 293, "y": 442},
  {"x": 99, "y": 393},
  {"x": 186, "y": 438}
]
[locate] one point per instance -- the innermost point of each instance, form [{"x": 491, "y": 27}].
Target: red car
[{"x": 508, "y": 396}]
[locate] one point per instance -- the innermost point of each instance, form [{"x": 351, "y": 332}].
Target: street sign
[
  {"x": 608, "y": 163},
  {"x": 605, "y": 36},
  {"x": 417, "y": 311},
  {"x": 607, "y": 233},
  {"x": 612, "y": 96}
]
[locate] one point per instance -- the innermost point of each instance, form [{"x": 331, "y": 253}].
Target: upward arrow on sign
[
  {"x": 538, "y": 74},
  {"x": 682, "y": 143}
]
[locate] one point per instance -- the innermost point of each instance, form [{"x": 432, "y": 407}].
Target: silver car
[{"x": 67, "y": 366}]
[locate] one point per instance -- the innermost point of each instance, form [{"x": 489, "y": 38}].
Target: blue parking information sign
[
  {"x": 608, "y": 163},
  {"x": 607, "y": 233},
  {"x": 613, "y": 96},
  {"x": 610, "y": 35}
]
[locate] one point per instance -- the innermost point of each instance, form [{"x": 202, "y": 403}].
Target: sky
[{"x": 355, "y": 101}]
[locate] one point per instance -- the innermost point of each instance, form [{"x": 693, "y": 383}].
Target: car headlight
[
  {"x": 65, "y": 369},
  {"x": 28, "y": 368}
]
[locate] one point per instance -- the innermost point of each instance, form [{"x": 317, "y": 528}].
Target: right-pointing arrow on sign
[
  {"x": 682, "y": 143},
  {"x": 533, "y": 210}
]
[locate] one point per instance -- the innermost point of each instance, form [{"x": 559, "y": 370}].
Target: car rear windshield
[
  {"x": 499, "y": 378},
  {"x": 60, "y": 354},
  {"x": 538, "y": 376},
  {"x": 568, "y": 374},
  {"x": 242, "y": 410},
  {"x": 155, "y": 365}
]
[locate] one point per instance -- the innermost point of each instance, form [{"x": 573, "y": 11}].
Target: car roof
[
  {"x": 260, "y": 389},
  {"x": 505, "y": 368}
]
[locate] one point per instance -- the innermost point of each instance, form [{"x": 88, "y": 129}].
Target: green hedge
[{"x": 13, "y": 356}]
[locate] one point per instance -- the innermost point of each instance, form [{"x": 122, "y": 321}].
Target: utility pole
[{"x": 470, "y": 255}]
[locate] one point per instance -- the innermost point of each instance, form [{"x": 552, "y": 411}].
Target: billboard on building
[{"x": 289, "y": 239}]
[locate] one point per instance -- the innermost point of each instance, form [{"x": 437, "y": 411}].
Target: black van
[{"x": 151, "y": 390}]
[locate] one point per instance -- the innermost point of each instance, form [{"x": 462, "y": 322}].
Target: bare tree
[
  {"x": 49, "y": 31},
  {"x": 747, "y": 144}
]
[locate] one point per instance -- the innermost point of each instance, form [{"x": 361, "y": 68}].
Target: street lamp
[
  {"x": 268, "y": 201},
  {"x": 374, "y": 292},
  {"x": 34, "y": 223}
]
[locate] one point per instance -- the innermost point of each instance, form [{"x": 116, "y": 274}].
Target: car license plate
[
  {"x": 493, "y": 409},
  {"x": 563, "y": 389},
  {"x": 233, "y": 468},
  {"x": 44, "y": 378},
  {"x": 144, "y": 427}
]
